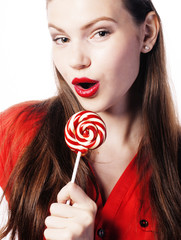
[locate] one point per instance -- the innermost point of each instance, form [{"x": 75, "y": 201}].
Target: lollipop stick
[
  {"x": 76, "y": 167},
  {"x": 75, "y": 171}
]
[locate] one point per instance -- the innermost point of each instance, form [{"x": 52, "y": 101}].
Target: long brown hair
[
  {"x": 46, "y": 164},
  {"x": 162, "y": 131}
]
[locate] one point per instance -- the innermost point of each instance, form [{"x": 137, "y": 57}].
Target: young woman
[{"x": 109, "y": 58}]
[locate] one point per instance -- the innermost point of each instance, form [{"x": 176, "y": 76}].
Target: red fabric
[
  {"x": 119, "y": 218},
  {"x": 17, "y": 129}
]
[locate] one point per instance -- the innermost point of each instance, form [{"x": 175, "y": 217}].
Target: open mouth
[{"x": 85, "y": 87}]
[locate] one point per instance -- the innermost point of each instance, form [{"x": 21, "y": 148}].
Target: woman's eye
[
  {"x": 101, "y": 34},
  {"x": 61, "y": 40}
]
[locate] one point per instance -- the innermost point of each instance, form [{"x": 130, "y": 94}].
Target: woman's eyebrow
[
  {"x": 88, "y": 25},
  {"x": 50, "y": 25}
]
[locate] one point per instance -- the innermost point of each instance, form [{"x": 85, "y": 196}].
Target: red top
[{"x": 119, "y": 218}]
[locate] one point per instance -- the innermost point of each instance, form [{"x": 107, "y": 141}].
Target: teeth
[{"x": 86, "y": 85}]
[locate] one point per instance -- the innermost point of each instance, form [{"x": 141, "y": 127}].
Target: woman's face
[{"x": 96, "y": 49}]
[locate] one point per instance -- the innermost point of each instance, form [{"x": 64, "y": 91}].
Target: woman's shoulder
[
  {"x": 20, "y": 119},
  {"x": 22, "y": 111},
  {"x": 18, "y": 126},
  {"x": 22, "y": 116}
]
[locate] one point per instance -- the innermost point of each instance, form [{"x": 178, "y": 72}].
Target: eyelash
[
  {"x": 62, "y": 39},
  {"x": 104, "y": 32},
  {"x": 100, "y": 33}
]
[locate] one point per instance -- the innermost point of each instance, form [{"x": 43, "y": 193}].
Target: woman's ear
[{"x": 151, "y": 28}]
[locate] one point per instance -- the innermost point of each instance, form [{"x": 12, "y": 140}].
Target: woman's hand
[{"x": 75, "y": 222}]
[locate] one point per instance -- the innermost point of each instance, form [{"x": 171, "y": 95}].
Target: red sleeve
[{"x": 18, "y": 126}]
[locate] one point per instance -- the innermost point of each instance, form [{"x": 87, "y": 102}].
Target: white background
[{"x": 25, "y": 50}]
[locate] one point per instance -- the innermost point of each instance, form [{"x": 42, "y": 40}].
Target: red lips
[{"x": 85, "y": 87}]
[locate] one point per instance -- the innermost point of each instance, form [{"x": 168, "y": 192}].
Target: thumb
[{"x": 75, "y": 194}]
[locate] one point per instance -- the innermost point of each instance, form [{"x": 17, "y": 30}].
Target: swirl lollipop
[{"x": 84, "y": 130}]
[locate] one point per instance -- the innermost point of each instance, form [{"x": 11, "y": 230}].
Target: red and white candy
[{"x": 85, "y": 130}]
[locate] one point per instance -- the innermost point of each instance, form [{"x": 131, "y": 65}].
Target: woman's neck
[
  {"x": 124, "y": 133},
  {"x": 123, "y": 129}
]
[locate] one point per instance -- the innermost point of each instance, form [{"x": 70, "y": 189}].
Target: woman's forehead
[
  {"x": 84, "y": 5},
  {"x": 83, "y": 10}
]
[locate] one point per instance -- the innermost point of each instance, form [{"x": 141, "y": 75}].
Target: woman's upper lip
[
  {"x": 86, "y": 87},
  {"x": 77, "y": 81}
]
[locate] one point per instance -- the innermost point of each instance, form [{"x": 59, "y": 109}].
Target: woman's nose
[{"x": 79, "y": 57}]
